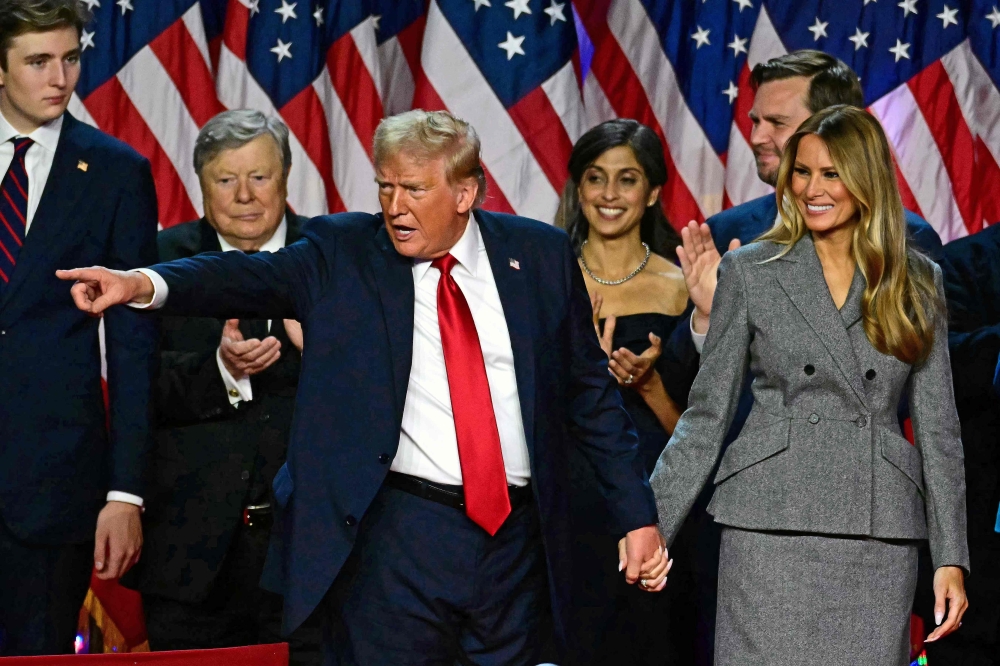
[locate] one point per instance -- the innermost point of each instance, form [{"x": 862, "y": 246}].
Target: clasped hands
[{"x": 642, "y": 555}]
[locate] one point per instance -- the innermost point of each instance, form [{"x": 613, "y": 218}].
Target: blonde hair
[
  {"x": 900, "y": 302},
  {"x": 430, "y": 135}
]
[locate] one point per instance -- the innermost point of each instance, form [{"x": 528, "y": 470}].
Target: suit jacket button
[
  {"x": 862, "y": 422},
  {"x": 350, "y": 521},
  {"x": 383, "y": 458},
  {"x": 809, "y": 369},
  {"x": 870, "y": 375},
  {"x": 245, "y": 475},
  {"x": 265, "y": 417},
  {"x": 814, "y": 418}
]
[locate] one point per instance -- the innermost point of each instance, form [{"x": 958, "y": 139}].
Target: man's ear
[{"x": 466, "y": 191}]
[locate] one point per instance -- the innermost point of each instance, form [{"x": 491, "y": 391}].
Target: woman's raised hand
[{"x": 700, "y": 262}]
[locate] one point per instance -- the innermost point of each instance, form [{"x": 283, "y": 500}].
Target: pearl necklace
[{"x": 611, "y": 283}]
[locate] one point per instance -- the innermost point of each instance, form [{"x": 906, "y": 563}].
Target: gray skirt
[{"x": 787, "y": 599}]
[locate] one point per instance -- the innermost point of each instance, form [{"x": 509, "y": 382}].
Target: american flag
[{"x": 531, "y": 76}]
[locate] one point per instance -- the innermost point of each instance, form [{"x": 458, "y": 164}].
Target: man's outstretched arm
[{"x": 98, "y": 288}]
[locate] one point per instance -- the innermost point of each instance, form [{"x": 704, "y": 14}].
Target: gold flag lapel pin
[{"x": 82, "y": 166}]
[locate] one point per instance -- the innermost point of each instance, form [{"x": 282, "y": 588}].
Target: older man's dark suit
[
  {"x": 699, "y": 539},
  {"x": 355, "y": 296},
  {"x": 212, "y": 459},
  {"x": 971, "y": 269},
  {"x": 58, "y": 460}
]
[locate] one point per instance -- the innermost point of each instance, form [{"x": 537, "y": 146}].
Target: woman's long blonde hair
[{"x": 900, "y": 302}]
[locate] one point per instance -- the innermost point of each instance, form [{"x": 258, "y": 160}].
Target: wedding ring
[
  {"x": 645, "y": 583},
  {"x": 629, "y": 380}
]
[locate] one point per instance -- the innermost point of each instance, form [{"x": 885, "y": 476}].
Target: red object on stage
[{"x": 275, "y": 654}]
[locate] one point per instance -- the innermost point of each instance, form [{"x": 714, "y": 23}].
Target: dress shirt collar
[
  {"x": 466, "y": 251},
  {"x": 273, "y": 244},
  {"x": 46, "y": 136}
]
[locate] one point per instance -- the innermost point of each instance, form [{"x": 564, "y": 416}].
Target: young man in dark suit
[
  {"x": 450, "y": 365},
  {"x": 223, "y": 401},
  {"x": 70, "y": 488}
]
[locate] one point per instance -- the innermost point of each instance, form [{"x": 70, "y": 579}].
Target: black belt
[
  {"x": 453, "y": 496},
  {"x": 258, "y": 515}
]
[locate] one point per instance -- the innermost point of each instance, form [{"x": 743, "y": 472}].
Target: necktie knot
[
  {"x": 445, "y": 264},
  {"x": 21, "y": 145}
]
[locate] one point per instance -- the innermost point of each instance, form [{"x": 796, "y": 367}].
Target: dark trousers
[
  {"x": 426, "y": 586},
  {"x": 41, "y": 591},
  {"x": 236, "y": 612}
]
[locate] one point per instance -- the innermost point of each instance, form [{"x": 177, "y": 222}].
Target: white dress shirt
[
  {"x": 428, "y": 446},
  {"x": 240, "y": 389},
  {"x": 38, "y": 163}
]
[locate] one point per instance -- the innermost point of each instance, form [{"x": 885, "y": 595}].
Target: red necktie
[
  {"x": 13, "y": 209},
  {"x": 486, "y": 500}
]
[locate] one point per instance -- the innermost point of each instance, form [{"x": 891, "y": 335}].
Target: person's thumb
[
  {"x": 939, "y": 607},
  {"x": 734, "y": 244},
  {"x": 232, "y": 330},
  {"x": 622, "y": 555}
]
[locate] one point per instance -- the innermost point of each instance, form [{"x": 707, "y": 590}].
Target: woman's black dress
[{"x": 615, "y": 623}]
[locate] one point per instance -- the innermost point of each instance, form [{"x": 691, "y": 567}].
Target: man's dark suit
[
  {"x": 355, "y": 296},
  {"x": 971, "y": 269},
  {"x": 58, "y": 459},
  {"x": 211, "y": 459},
  {"x": 700, "y": 537}
]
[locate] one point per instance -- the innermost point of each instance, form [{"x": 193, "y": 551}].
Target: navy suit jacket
[
  {"x": 747, "y": 222},
  {"x": 57, "y": 458},
  {"x": 971, "y": 268},
  {"x": 354, "y": 295}
]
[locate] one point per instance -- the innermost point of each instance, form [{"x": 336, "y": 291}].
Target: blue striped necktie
[{"x": 13, "y": 209}]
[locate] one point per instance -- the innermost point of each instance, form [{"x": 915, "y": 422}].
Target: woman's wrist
[
  {"x": 652, "y": 384},
  {"x": 699, "y": 321}
]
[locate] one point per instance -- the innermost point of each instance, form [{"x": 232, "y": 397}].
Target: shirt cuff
[
  {"x": 237, "y": 389},
  {"x": 697, "y": 338},
  {"x": 160, "y": 290},
  {"x": 128, "y": 498}
]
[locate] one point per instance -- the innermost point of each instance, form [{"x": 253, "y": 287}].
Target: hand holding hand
[
  {"x": 949, "y": 594},
  {"x": 294, "y": 331},
  {"x": 246, "y": 357},
  {"x": 118, "y": 540},
  {"x": 636, "y": 371},
  {"x": 97, "y": 288},
  {"x": 643, "y": 555},
  {"x": 596, "y": 301},
  {"x": 700, "y": 263}
]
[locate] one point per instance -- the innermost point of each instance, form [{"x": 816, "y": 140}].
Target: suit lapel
[
  {"x": 394, "y": 279},
  {"x": 800, "y": 276},
  {"x": 65, "y": 185},
  {"x": 518, "y": 309}
]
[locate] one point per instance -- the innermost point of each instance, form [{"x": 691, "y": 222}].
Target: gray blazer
[{"x": 821, "y": 451}]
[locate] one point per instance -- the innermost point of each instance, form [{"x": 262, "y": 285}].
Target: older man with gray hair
[
  {"x": 450, "y": 368},
  {"x": 223, "y": 409}
]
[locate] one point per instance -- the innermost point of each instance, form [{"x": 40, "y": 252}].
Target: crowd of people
[{"x": 437, "y": 434}]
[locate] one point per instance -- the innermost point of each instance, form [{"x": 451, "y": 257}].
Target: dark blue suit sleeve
[
  {"x": 974, "y": 342},
  {"x": 266, "y": 285},
  {"x": 131, "y": 338},
  {"x": 599, "y": 421}
]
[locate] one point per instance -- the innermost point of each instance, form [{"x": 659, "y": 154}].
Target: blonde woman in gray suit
[{"x": 823, "y": 500}]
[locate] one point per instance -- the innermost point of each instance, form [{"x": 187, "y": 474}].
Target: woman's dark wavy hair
[{"x": 654, "y": 229}]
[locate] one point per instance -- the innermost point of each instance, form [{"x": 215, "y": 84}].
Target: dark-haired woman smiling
[{"x": 611, "y": 209}]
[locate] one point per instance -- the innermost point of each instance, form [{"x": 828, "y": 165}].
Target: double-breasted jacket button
[
  {"x": 814, "y": 418},
  {"x": 870, "y": 375},
  {"x": 383, "y": 458},
  {"x": 809, "y": 369},
  {"x": 862, "y": 421},
  {"x": 245, "y": 475},
  {"x": 350, "y": 521}
]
